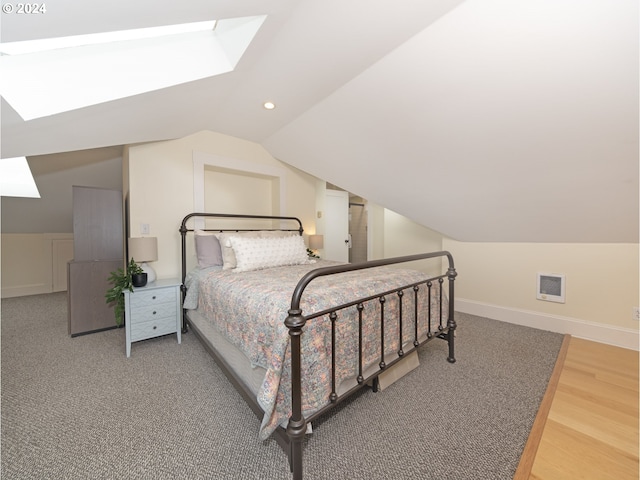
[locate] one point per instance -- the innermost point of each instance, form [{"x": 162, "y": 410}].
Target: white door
[{"x": 336, "y": 226}]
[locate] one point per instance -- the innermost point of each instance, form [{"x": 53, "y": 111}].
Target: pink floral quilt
[{"x": 249, "y": 308}]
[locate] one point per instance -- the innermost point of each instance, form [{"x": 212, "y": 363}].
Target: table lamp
[
  {"x": 143, "y": 250},
  {"x": 316, "y": 242}
]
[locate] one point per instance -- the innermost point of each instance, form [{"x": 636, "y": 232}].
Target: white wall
[
  {"x": 161, "y": 187},
  {"x": 498, "y": 280},
  {"x": 405, "y": 237},
  {"x": 34, "y": 263}
]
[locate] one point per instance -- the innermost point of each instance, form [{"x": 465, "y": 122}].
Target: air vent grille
[{"x": 551, "y": 287}]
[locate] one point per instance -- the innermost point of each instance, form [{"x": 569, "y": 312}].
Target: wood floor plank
[
  {"x": 569, "y": 454},
  {"x": 587, "y": 419},
  {"x": 591, "y": 429},
  {"x": 626, "y": 403}
]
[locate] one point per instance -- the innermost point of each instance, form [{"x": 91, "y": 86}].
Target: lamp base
[{"x": 151, "y": 274}]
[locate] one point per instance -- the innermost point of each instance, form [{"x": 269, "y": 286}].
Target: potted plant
[
  {"x": 138, "y": 276},
  {"x": 121, "y": 280}
]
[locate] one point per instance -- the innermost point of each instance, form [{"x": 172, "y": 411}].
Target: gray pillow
[{"x": 208, "y": 250}]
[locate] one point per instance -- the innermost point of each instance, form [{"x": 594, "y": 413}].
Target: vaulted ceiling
[{"x": 485, "y": 120}]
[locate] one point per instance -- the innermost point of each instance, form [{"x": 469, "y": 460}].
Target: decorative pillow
[
  {"x": 228, "y": 255},
  {"x": 259, "y": 253},
  {"x": 208, "y": 249}
]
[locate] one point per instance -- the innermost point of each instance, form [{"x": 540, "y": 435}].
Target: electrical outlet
[
  {"x": 144, "y": 229},
  {"x": 636, "y": 313}
]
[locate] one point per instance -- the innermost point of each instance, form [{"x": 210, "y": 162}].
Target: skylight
[
  {"x": 43, "y": 45},
  {"x": 48, "y": 77},
  {"x": 16, "y": 179}
]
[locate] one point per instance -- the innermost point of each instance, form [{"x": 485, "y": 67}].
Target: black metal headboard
[{"x": 184, "y": 230}]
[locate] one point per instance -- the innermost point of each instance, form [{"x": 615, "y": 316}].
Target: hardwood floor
[{"x": 588, "y": 427}]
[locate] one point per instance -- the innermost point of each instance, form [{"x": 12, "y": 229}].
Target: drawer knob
[
  {"x": 154, "y": 327},
  {"x": 154, "y": 312},
  {"x": 153, "y": 298}
]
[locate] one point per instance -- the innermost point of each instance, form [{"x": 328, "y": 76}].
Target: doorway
[
  {"x": 336, "y": 226},
  {"x": 358, "y": 229},
  {"x": 346, "y": 226}
]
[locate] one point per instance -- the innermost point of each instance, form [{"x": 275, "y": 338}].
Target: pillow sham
[
  {"x": 259, "y": 253},
  {"x": 228, "y": 254},
  {"x": 208, "y": 250}
]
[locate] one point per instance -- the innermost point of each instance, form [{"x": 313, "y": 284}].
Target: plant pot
[{"x": 139, "y": 279}]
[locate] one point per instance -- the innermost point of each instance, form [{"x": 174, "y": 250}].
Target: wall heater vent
[{"x": 550, "y": 287}]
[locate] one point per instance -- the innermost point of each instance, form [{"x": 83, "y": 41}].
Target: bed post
[
  {"x": 297, "y": 426},
  {"x": 183, "y": 289},
  {"x": 451, "y": 322}
]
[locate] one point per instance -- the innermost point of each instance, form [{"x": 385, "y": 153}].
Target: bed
[{"x": 297, "y": 335}]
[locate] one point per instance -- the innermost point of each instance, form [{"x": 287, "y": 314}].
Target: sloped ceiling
[{"x": 486, "y": 120}]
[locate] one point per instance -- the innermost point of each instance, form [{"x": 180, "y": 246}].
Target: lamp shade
[
  {"x": 316, "y": 242},
  {"x": 143, "y": 249}
]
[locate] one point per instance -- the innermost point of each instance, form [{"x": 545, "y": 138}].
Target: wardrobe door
[
  {"x": 88, "y": 283},
  {"x": 97, "y": 224}
]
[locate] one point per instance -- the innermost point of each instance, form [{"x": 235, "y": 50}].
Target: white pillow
[
  {"x": 228, "y": 254},
  {"x": 259, "y": 253}
]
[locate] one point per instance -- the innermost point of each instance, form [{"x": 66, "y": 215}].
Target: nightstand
[{"x": 152, "y": 311}]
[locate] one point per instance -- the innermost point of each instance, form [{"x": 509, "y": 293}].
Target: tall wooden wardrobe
[{"x": 98, "y": 249}]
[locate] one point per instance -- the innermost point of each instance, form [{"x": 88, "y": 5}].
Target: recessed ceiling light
[{"x": 269, "y": 105}]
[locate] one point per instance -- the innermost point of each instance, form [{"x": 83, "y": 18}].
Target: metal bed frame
[{"x": 291, "y": 438}]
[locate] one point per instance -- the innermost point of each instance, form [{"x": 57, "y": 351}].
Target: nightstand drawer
[
  {"x": 146, "y": 312},
  {"x": 154, "y": 328},
  {"x": 153, "y": 297}
]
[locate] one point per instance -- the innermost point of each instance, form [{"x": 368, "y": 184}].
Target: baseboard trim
[{"x": 618, "y": 336}]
